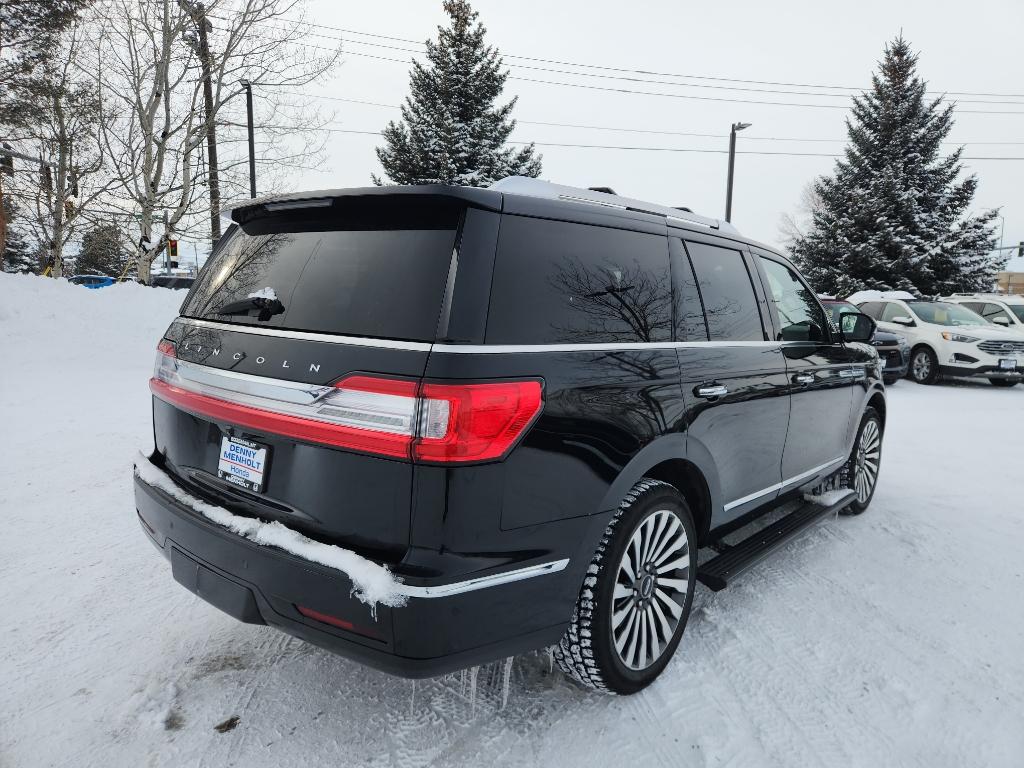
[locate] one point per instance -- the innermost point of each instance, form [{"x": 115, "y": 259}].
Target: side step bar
[{"x": 719, "y": 571}]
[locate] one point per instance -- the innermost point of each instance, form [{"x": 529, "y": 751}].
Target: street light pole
[
  {"x": 732, "y": 165},
  {"x": 252, "y": 142}
]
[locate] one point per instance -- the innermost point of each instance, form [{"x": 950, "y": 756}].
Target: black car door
[
  {"x": 734, "y": 378},
  {"x": 821, "y": 373}
]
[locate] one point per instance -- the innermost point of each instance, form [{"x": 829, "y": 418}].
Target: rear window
[
  {"x": 561, "y": 283},
  {"x": 372, "y": 267}
]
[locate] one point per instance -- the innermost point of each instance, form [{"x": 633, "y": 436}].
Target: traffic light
[
  {"x": 1020, "y": 249},
  {"x": 172, "y": 250}
]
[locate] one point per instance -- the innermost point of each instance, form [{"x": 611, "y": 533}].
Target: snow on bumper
[{"x": 371, "y": 583}]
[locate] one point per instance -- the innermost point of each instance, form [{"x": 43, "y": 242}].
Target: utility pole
[
  {"x": 732, "y": 165},
  {"x": 198, "y": 13},
  {"x": 252, "y": 142}
]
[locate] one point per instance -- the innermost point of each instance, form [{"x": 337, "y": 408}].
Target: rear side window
[
  {"x": 730, "y": 303},
  {"x": 872, "y": 309},
  {"x": 561, "y": 283},
  {"x": 889, "y": 311},
  {"x": 374, "y": 268}
]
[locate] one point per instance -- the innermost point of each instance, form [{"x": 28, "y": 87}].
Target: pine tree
[
  {"x": 18, "y": 255},
  {"x": 893, "y": 216},
  {"x": 451, "y": 131},
  {"x": 103, "y": 251}
]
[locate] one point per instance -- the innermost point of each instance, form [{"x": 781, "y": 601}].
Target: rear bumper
[{"x": 444, "y": 626}]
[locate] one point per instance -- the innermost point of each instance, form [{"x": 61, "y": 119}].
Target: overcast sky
[{"x": 974, "y": 48}]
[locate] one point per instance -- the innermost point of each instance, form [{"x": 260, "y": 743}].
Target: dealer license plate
[
  {"x": 243, "y": 463},
  {"x": 1008, "y": 365}
]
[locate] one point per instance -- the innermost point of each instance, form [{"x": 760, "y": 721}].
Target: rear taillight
[{"x": 431, "y": 422}]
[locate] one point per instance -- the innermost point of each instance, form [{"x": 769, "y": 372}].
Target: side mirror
[
  {"x": 856, "y": 326},
  {"x": 903, "y": 320},
  {"x": 1001, "y": 320}
]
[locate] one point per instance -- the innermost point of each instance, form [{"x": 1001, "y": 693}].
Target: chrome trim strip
[
  {"x": 468, "y": 349},
  {"x": 499, "y": 349},
  {"x": 483, "y": 582},
  {"x": 329, "y": 338},
  {"x": 795, "y": 479},
  {"x": 246, "y": 384}
]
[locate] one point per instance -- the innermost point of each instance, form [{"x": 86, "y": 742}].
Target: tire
[
  {"x": 890, "y": 380},
  {"x": 624, "y": 632},
  {"x": 860, "y": 473},
  {"x": 924, "y": 366},
  {"x": 1002, "y": 383}
]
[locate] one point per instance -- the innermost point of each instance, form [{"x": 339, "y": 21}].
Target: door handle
[
  {"x": 711, "y": 390},
  {"x": 803, "y": 378}
]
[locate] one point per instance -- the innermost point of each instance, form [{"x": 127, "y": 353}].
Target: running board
[{"x": 722, "y": 569}]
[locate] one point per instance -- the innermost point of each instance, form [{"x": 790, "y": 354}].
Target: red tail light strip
[{"x": 432, "y": 422}]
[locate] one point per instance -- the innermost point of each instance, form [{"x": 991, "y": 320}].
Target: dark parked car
[
  {"x": 893, "y": 349},
  {"x": 532, "y": 404},
  {"x": 176, "y": 282}
]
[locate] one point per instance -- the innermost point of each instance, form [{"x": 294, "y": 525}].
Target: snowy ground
[{"x": 891, "y": 639}]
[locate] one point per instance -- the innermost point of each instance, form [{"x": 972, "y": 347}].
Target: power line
[
  {"x": 606, "y": 68},
  {"x": 654, "y": 149},
  {"x": 691, "y": 97},
  {"x": 643, "y": 130},
  {"x": 641, "y": 80}
]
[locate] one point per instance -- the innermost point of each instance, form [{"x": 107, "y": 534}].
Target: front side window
[
  {"x": 993, "y": 311},
  {"x": 556, "y": 282},
  {"x": 800, "y": 316},
  {"x": 730, "y": 303},
  {"x": 1018, "y": 310}
]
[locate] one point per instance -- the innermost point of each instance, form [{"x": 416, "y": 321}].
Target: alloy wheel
[
  {"x": 650, "y": 590},
  {"x": 922, "y": 365},
  {"x": 869, "y": 451}
]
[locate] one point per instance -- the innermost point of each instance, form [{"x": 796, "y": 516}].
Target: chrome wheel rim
[
  {"x": 867, "y": 460},
  {"x": 922, "y": 366},
  {"x": 650, "y": 590}
]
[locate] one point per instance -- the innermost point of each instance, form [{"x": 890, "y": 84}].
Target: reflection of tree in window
[
  {"x": 612, "y": 303},
  {"x": 798, "y": 310},
  {"x": 241, "y": 268}
]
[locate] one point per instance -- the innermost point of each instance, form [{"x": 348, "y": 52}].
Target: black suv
[{"x": 430, "y": 427}]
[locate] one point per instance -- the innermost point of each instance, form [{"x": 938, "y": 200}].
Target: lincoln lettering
[{"x": 259, "y": 359}]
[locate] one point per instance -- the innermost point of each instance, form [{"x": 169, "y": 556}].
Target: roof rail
[{"x": 522, "y": 185}]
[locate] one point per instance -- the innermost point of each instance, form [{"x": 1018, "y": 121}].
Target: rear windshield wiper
[{"x": 267, "y": 307}]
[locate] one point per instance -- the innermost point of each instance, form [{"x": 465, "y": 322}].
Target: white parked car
[
  {"x": 947, "y": 339},
  {"x": 998, "y": 308}
]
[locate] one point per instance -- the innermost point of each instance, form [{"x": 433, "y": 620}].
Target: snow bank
[
  {"x": 371, "y": 583},
  {"x": 861, "y": 296}
]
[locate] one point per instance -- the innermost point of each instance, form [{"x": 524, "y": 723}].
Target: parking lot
[{"x": 890, "y": 638}]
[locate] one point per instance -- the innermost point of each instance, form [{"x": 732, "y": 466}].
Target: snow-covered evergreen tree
[
  {"x": 18, "y": 254},
  {"x": 894, "y": 215},
  {"x": 452, "y": 131}
]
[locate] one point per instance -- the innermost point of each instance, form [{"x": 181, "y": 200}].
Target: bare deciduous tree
[
  {"x": 62, "y": 129},
  {"x": 793, "y": 226},
  {"x": 151, "y": 72}
]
